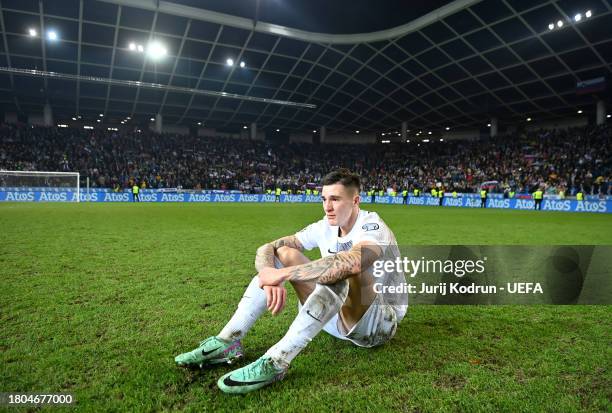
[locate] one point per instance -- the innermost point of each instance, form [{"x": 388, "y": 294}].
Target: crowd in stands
[{"x": 554, "y": 160}]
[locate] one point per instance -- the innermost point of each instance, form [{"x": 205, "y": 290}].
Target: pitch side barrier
[{"x": 592, "y": 204}]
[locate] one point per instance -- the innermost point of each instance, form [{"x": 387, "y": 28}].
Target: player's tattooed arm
[
  {"x": 265, "y": 254},
  {"x": 290, "y": 241},
  {"x": 334, "y": 268}
]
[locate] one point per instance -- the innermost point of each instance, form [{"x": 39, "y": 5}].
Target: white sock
[
  {"x": 251, "y": 307},
  {"x": 322, "y": 304}
]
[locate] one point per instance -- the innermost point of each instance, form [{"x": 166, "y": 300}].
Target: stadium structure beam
[
  {"x": 175, "y": 65},
  {"x": 538, "y": 35},
  {"x": 494, "y": 127},
  {"x": 43, "y": 46},
  {"x": 77, "y": 97},
  {"x": 601, "y": 112},
  {"x": 144, "y": 64},
  {"x": 147, "y": 85},
  {"x": 47, "y": 115},
  {"x": 201, "y": 76},
  {"x": 158, "y": 125},
  {"x": 305, "y": 77},
  {"x": 258, "y": 73},
  {"x": 587, "y": 42},
  {"x": 431, "y": 72},
  {"x": 231, "y": 73},
  {"x": 258, "y": 26},
  {"x": 113, "y": 53},
  {"x": 8, "y": 58}
]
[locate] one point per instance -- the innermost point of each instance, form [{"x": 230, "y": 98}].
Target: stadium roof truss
[{"x": 455, "y": 66}]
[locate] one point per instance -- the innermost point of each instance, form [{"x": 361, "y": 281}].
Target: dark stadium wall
[
  {"x": 206, "y": 132},
  {"x": 246, "y": 134},
  {"x": 36, "y": 119},
  {"x": 301, "y": 138},
  {"x": 228, "y": 135},
  {"x": 213, "y": 133},
  {"x": 277, "y": 137},
  {"x": 10, "y": 117},
  {"x": 467, "y": 134},
  {"x": 361, "y": 138},
  {"x": 175, "y": 129},
  {"x": 578, "y": 121}
]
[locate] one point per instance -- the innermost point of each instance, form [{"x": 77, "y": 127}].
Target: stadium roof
[{"x": 364, "y": 67}]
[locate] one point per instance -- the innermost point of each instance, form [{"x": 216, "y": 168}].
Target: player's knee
[
  {"x": 287, "y": 256},
  {"x": 340, "y": 288},
  {"x": 327, "y": 297},
  {"x": 254, "y": 281}
]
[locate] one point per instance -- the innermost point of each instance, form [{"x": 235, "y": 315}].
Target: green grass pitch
[{"x": 98, "y": 298}]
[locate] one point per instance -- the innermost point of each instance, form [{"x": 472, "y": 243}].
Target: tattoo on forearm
[
  {"x": 265, "y": 254},
  {"x": 290, "y": 241},
  {"x": 330, "y": 269},
  {"x": 334, "y": 268},
  {"x": 264, "y": 257}
]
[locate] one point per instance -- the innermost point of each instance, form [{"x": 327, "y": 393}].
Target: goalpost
[{"x": 33, "y": 181}]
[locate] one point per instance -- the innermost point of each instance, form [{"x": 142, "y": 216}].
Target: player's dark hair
[{"x": 343, "y": 176}]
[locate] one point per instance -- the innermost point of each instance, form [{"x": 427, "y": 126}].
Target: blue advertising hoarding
[{"x": 461, "y": 201}]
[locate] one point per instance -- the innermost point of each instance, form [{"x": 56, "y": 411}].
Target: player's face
[{"x": 338, "y": 203}]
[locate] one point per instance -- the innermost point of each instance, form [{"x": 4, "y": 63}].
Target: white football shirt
[{"x": 368, "y": 227}]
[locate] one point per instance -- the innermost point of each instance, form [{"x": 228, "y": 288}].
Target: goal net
[{"x": 41, "y": 186}]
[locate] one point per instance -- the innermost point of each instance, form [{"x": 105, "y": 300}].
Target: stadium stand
[{"x": 561, "y": 160}]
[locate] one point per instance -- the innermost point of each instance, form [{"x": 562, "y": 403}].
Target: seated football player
[{"x": 335, "y": 292}]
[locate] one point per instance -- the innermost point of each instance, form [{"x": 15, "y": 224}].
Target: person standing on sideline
[
  {"x": 277, "y": 192},
  {"x": 537, "y": 197},
  {"x": 135, "y": 192},
  {"x": 483, "y": 197}
]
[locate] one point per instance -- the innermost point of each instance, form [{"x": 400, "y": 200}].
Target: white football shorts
[{"x": 377, "y": 326}]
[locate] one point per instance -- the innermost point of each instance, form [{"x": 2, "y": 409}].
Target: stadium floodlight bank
[{"x": 45, "y": 181}]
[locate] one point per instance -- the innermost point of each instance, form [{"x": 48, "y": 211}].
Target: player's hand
[
  {"x": 276, "y": 296},
  {"x": 269, "y": 276}
]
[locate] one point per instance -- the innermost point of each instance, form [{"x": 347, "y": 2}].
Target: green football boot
[
  {"x": 256, "y": 375},
  {"x": 212, "y": 351}
]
